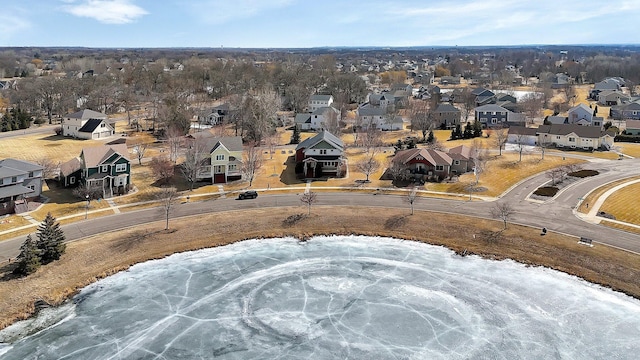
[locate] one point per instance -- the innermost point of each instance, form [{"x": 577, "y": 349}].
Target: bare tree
[
  {"x": 543, "y": 146},
  {"x": 480, "y": 160},
  {"x": 193, "y": 162},
  {"x": 468, "y": 103},
  {"x": 502, "y": 211},
  {"x": 251, "y": 162},
  {"x": 396, "y": 170},
  {"x": 88, "y": 192},
  {"x": 272, "y": 142},
  {"x": 411, "y": 198},
  {"x": 554, "y": 174},
  {"x": 309, "y": 198},
  {"x": 371, "y": 139},
  {"x": 139, "y": 147},
  {"x": 162, "y": 168},
  {"x": 167, "y": 197},
  {"x": 332, "y": 121},
  {"x": 369, "y": 165},
  {"x": 50, "y": 168},
  {"x": 174, "y": 140},
  {"x": 522, "y": 144},
  {"x": 421, "y": 118},
  {"x": 532, "y": 104},
  {"x": 500, "y": 137}
]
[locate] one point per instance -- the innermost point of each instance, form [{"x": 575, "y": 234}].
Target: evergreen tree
[
  {"x": 468, "y": 132},
  {"x": 28, "y": 259},
  {"x": 477, "y": 129},
  {"x": 456, "y": 133},
  {"x": 295, "y": 137},
  {"x": 50, "y": 240},
  {"x": 430, "y": 138}
]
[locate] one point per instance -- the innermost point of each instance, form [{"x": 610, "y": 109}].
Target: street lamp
[{"x": 86, "y": 209}]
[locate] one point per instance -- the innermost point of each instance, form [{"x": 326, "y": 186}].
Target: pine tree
[
  {"x": 477, "y": 129},
  {"x": 28, "y": 259},
  {"x": 430, "y": 138},
  {"x": 50, "y": 240},
  {"x": 468, "y": 132},
  {"x": 295, "y": 137}
]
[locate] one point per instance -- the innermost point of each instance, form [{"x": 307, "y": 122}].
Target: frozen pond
[{"x": 338, "y": 297}]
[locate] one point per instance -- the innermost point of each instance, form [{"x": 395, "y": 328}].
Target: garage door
[{"x": 218, "y": 178}]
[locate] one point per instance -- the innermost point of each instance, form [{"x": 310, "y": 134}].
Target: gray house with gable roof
[
  {"x": 321, "y": 155},
  {"x": 19, "y": 181}
]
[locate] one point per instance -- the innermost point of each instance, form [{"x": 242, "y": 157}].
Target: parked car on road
[{"x": 250, "y": 194}]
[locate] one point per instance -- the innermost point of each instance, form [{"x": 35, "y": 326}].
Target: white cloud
[
  {"x": 221, "y": 11},
  {"x": 106, "y": 11}
]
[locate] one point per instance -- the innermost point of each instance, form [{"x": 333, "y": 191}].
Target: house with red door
[{"x": 321, "y": 155}]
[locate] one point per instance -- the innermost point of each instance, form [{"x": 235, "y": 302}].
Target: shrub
[
  {"x": 292, "y": 219},
  {"x": 58, "y": 130},
  {"x": 546, "y": 191}
]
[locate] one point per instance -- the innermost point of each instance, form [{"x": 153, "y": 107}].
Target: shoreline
[{"x": 96, "y": 257}]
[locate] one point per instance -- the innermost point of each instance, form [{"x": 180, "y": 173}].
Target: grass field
[
  {"x": 596, "y": 193},
  {"x": 623, "y": 204}
]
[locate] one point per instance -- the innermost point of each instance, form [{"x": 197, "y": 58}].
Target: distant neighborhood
[{"x": 211, "y": 120}]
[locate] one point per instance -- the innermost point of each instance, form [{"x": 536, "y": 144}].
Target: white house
[
  {"x": 522, "y": 135},
  {"x": 379, "y": 118},
  {"x": 319, "y": 101},
  {"x": 575, "y": 136},
  {"x": 87, "y": 124},
  {"x": 321, "y": 155},
  {"x": 225, "y": 161},
  {"x": 581, "y": 114},
  {"x": 318, "y": 119}
]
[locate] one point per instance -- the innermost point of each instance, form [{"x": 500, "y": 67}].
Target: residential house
[
  {"x": 613, "y": 83},
  {"x": 378, "y": 117},
  {"x": 522, "y": 135},
  {"x": 446, "y": 116},
  {"x": 626, "y": 111},
  {"x": 560, "y": 80},
  {"x": 19, "y": 181},
  {"x": 484, "y": 96},
  {"x": 450, "y": 80},
  {"x": 225, "y": 162},
  {"x": 87, "y": 124},
  {"x": 319, "y": 101},
  {"x": 106, "y": 166},
  {"x": 612, "y": 97},
  {"x": 384, "y": 100},
  {"x": 575, "y": 136},
  {"x": 492, "y": 115},
  {"x": 424, "y": 164},
  {"x": 215, "y": 116},
  {"x": 555, "y": 120},
  {"x": 632, "y": 127},
  {"x": 321, "y": 155},
  {"x": 581, "y": 114},
  {"x": 462, "y": 157},
  {"x": 320, "y": 109}
]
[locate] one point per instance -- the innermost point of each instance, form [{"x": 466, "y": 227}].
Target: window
[
  {"x": 494, "y": 121},
  {"x": 14, "y": 179},
  {"x": 557, "y": 137},
  {"x": 102, "y": 125},
  {"x": 31, "y": 174},
  {"x": 1, "y": 181},
  {"x": 439, "y": 167},
  {"x": 456, "y": 162},
  {"x": 121, "y": 167},
  {"x": 105, "y": 168},
  {"x": 232, "y": 167},
  {"x": 220, "y": 157},
  {"x": 72, "y": 180},
  {"x": 572, "y": 139},
  {"x": 323, "y": 152},
  {"x": 32, "y": 187},
  {"x": 218, "y": 169}
]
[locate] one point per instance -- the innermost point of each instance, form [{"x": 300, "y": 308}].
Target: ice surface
[{"x": 339, "y": 297}]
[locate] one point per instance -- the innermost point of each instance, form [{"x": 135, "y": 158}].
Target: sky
[{"x": 315, "y": 23}]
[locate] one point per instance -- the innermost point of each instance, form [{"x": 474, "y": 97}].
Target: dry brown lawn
[
  {"x": 623, "y": 204},
  {"x": 93, "y": 258},
  {"x": 50, "y": 146},
  {"x": 630, "y": 149},
  {"x": 596, "y": 193},
  {"x": 630, "y": 229},
  {"x": 12, "y": 222},
  {"x": 502, "y": 172}
]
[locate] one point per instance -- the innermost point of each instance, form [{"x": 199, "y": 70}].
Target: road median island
[{"x": 96, "y": 257}]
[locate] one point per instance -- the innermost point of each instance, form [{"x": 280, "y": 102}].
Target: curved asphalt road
[{"x": 556, "y": 214}]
